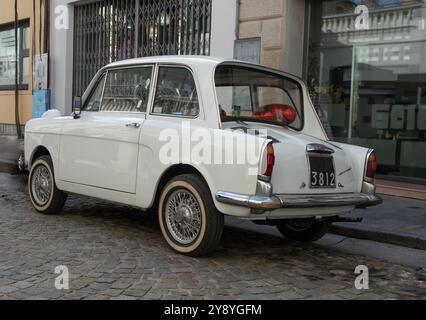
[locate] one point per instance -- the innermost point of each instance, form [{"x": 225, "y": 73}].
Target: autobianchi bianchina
[{"x": 110, "y": 148}]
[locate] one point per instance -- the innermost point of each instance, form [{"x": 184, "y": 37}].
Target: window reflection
[{"x": 369, "y": 85}]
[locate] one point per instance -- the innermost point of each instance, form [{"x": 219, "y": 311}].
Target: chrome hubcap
[
  {"x": 41, "y": 185},
  {"x": 183, "y": 216}
]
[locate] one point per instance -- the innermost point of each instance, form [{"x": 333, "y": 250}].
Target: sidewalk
[
  {"x": 399, "y": 221},
  {"x": 401, "y": 189},
  {"x": 10, "y": 150}
]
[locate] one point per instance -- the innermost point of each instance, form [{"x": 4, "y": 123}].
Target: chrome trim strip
[
  {"x": 299, "y": 201},
  {"x": 318, "y": 148}
]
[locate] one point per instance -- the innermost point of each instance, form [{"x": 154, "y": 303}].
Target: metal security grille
[{"x": 113, "y": 30}]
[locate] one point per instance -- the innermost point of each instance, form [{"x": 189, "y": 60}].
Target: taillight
[
  {"x": 371, "y": 168},
  {"x": 268, "y": 161}
]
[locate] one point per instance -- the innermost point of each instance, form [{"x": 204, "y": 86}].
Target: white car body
[{"x": 113, "y": 155}]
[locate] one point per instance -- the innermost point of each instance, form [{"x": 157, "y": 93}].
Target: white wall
[
  {"x": 224, "y": 13},
  {"x": 294, "y": 30},
  {"x": 61, "y": 60}
]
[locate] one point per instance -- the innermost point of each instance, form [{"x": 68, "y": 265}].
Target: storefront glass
[
  {"x": 7, "y": 56},
  {"x": 367, "y": 78}
]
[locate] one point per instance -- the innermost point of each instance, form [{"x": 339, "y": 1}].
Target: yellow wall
[{"x": 7, "y": 98}]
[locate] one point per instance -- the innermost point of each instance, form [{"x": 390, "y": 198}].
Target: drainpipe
[
  {"x": 46, "y": 37},
  {"x": 17, "y": 120},
  {"x": 237, "y": 20}
]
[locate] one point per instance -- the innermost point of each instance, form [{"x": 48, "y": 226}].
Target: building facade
[
  {"x": 367, "y": 76},
  {"x": 103, "y": 31},
  {"x": 362, "y": 59},
  {"x": 29, "y": 29}
]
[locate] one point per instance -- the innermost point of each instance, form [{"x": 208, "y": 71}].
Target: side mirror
[{"x": 77, "y": 107}]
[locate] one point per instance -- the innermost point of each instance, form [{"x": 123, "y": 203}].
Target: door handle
[{"x": 133, "y": 125}]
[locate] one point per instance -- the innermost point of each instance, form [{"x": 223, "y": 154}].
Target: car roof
[
  {"x": 182, "y": 59},
  {"x": 192, "y": 61}
]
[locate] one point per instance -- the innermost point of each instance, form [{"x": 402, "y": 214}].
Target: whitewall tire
[
  {"x": 189, "y": 220},
  {"x": 45, "y": 196}
]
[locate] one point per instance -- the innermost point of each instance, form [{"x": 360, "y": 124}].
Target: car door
[{"x": 100, "y": 149}]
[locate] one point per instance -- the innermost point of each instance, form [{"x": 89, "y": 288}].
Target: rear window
[{"x": 252, "y": 95}]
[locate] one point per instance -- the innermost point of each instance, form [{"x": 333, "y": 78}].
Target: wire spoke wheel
[
  {"x": 41, "y": 185},
  {"x": 183, "y": 216},
  {"x": 45, "y": 196}
]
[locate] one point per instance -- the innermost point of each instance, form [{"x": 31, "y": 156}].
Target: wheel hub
[{"x": 184, "y": 215}]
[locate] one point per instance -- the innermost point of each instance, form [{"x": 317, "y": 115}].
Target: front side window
[
  {"x": 127, "y": 90},
  {"x": 94, "y": 102},
  {"x": 176, "y": 93},
  {"x": 248, "y": 94},
  {"x": 7, "y": 56}
]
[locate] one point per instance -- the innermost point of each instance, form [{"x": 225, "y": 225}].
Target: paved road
[{"x": 115, "y": 252}]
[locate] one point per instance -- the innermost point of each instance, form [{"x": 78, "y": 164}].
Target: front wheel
[
  {"x": 188, "y": 218},
  {"x": 45, "y": 196},
  {"x": 306, "y": 231}
]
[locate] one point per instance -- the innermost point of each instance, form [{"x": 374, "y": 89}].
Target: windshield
[{"x": 249, "y": 94}]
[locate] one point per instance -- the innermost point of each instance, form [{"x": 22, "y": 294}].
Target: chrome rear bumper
[{"x": 298, "y": 201}]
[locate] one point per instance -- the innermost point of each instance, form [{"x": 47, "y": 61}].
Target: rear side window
[
  {"x": 127, "y": 90},
  {"x": 254, "y": 95},
  {"x": 176, "y": 93}
]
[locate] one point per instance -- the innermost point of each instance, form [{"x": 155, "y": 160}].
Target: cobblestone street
[{"x": 115, "y": 252}]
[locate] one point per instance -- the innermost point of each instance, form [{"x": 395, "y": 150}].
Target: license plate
[{"x": 323, "y": 174}]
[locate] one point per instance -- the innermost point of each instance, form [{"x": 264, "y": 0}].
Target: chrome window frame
[
  {"x": 261, "y": 68},
  {"x": 197, "y": 88},
  {"x": 93, "y": 89},
  {"x": 136, "y": 66}
]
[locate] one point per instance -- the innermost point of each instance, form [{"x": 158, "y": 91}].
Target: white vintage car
[{"x": 198, "y": 138}]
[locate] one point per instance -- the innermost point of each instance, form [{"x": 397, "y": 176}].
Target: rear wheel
[
  {"x": 45, "y": 196},
  {"x": 306, "y": 231},
  {"x": 188, "y": 217}
]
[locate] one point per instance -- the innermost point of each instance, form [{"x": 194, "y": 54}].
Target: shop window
[
  {"x": 367, "y": 79},
  {"x": 7, "y": 56}
]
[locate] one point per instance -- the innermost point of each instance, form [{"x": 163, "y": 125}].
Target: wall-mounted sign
[
  {"x": 248, "y": 50},
  {"x": 41, "y": 71}
]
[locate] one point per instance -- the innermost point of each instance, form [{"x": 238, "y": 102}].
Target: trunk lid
[{"x": 292, "y": 169}]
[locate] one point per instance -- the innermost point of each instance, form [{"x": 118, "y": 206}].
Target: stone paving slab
[{"x": 117, "y": 252}]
